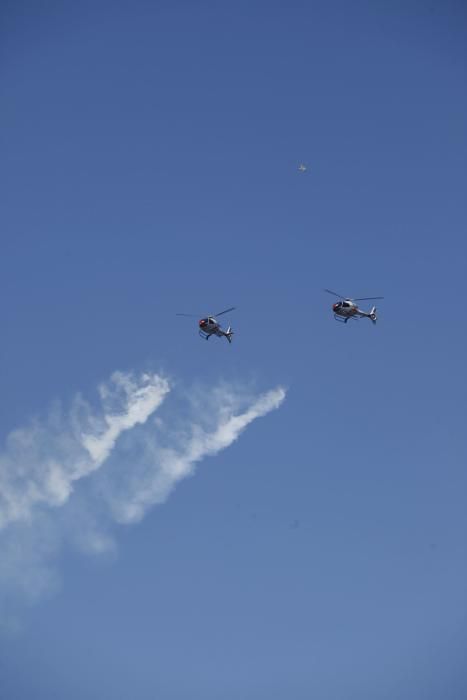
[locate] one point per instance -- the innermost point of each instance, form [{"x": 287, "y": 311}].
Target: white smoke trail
[
  {"x": 41, "y": 462},
  {"x": 68, "y": 479},
  {"x": 160, "y": 465}
]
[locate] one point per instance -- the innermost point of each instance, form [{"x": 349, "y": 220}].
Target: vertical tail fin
[
  {"x": 372, "y": 314},
  {"x": 229, "y": 334}
]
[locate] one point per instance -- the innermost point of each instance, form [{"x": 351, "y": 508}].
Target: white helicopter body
[
  {"x": 209, "y": 326},
  {"x": 347, "y": 308}
]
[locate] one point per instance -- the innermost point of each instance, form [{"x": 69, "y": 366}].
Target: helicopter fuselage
[
  {"x": 209, "y": 326},
  {"x": 343, "y": 310},
  {"x": 347, "y": 308}
]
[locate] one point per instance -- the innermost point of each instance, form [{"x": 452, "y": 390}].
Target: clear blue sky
[{"x": 149, "y": 166}]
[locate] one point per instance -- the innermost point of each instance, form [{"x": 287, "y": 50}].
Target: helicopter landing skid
[{"x": 341, "y": 319}]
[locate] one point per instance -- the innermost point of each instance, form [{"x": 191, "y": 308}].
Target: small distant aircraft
[
  {"x": 347, "y": 308},
  {"x": 209, "y": 326},
  {"x": 302, "y": 168}
]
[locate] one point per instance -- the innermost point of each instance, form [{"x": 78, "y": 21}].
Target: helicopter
[
  {"x": 209, "y": 326},
  {"x": 347, "y": 308}
]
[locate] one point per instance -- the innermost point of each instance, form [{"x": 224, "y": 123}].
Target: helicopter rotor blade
[
  {"x": 225, "y": 312},
  {"x": 189, "y": 315},
  {"x": 334, "y": 294},
  {"x": 366, "y": 298}
]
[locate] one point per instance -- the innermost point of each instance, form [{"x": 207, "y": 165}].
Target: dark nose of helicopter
[{"x": 202, "y": 322}]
